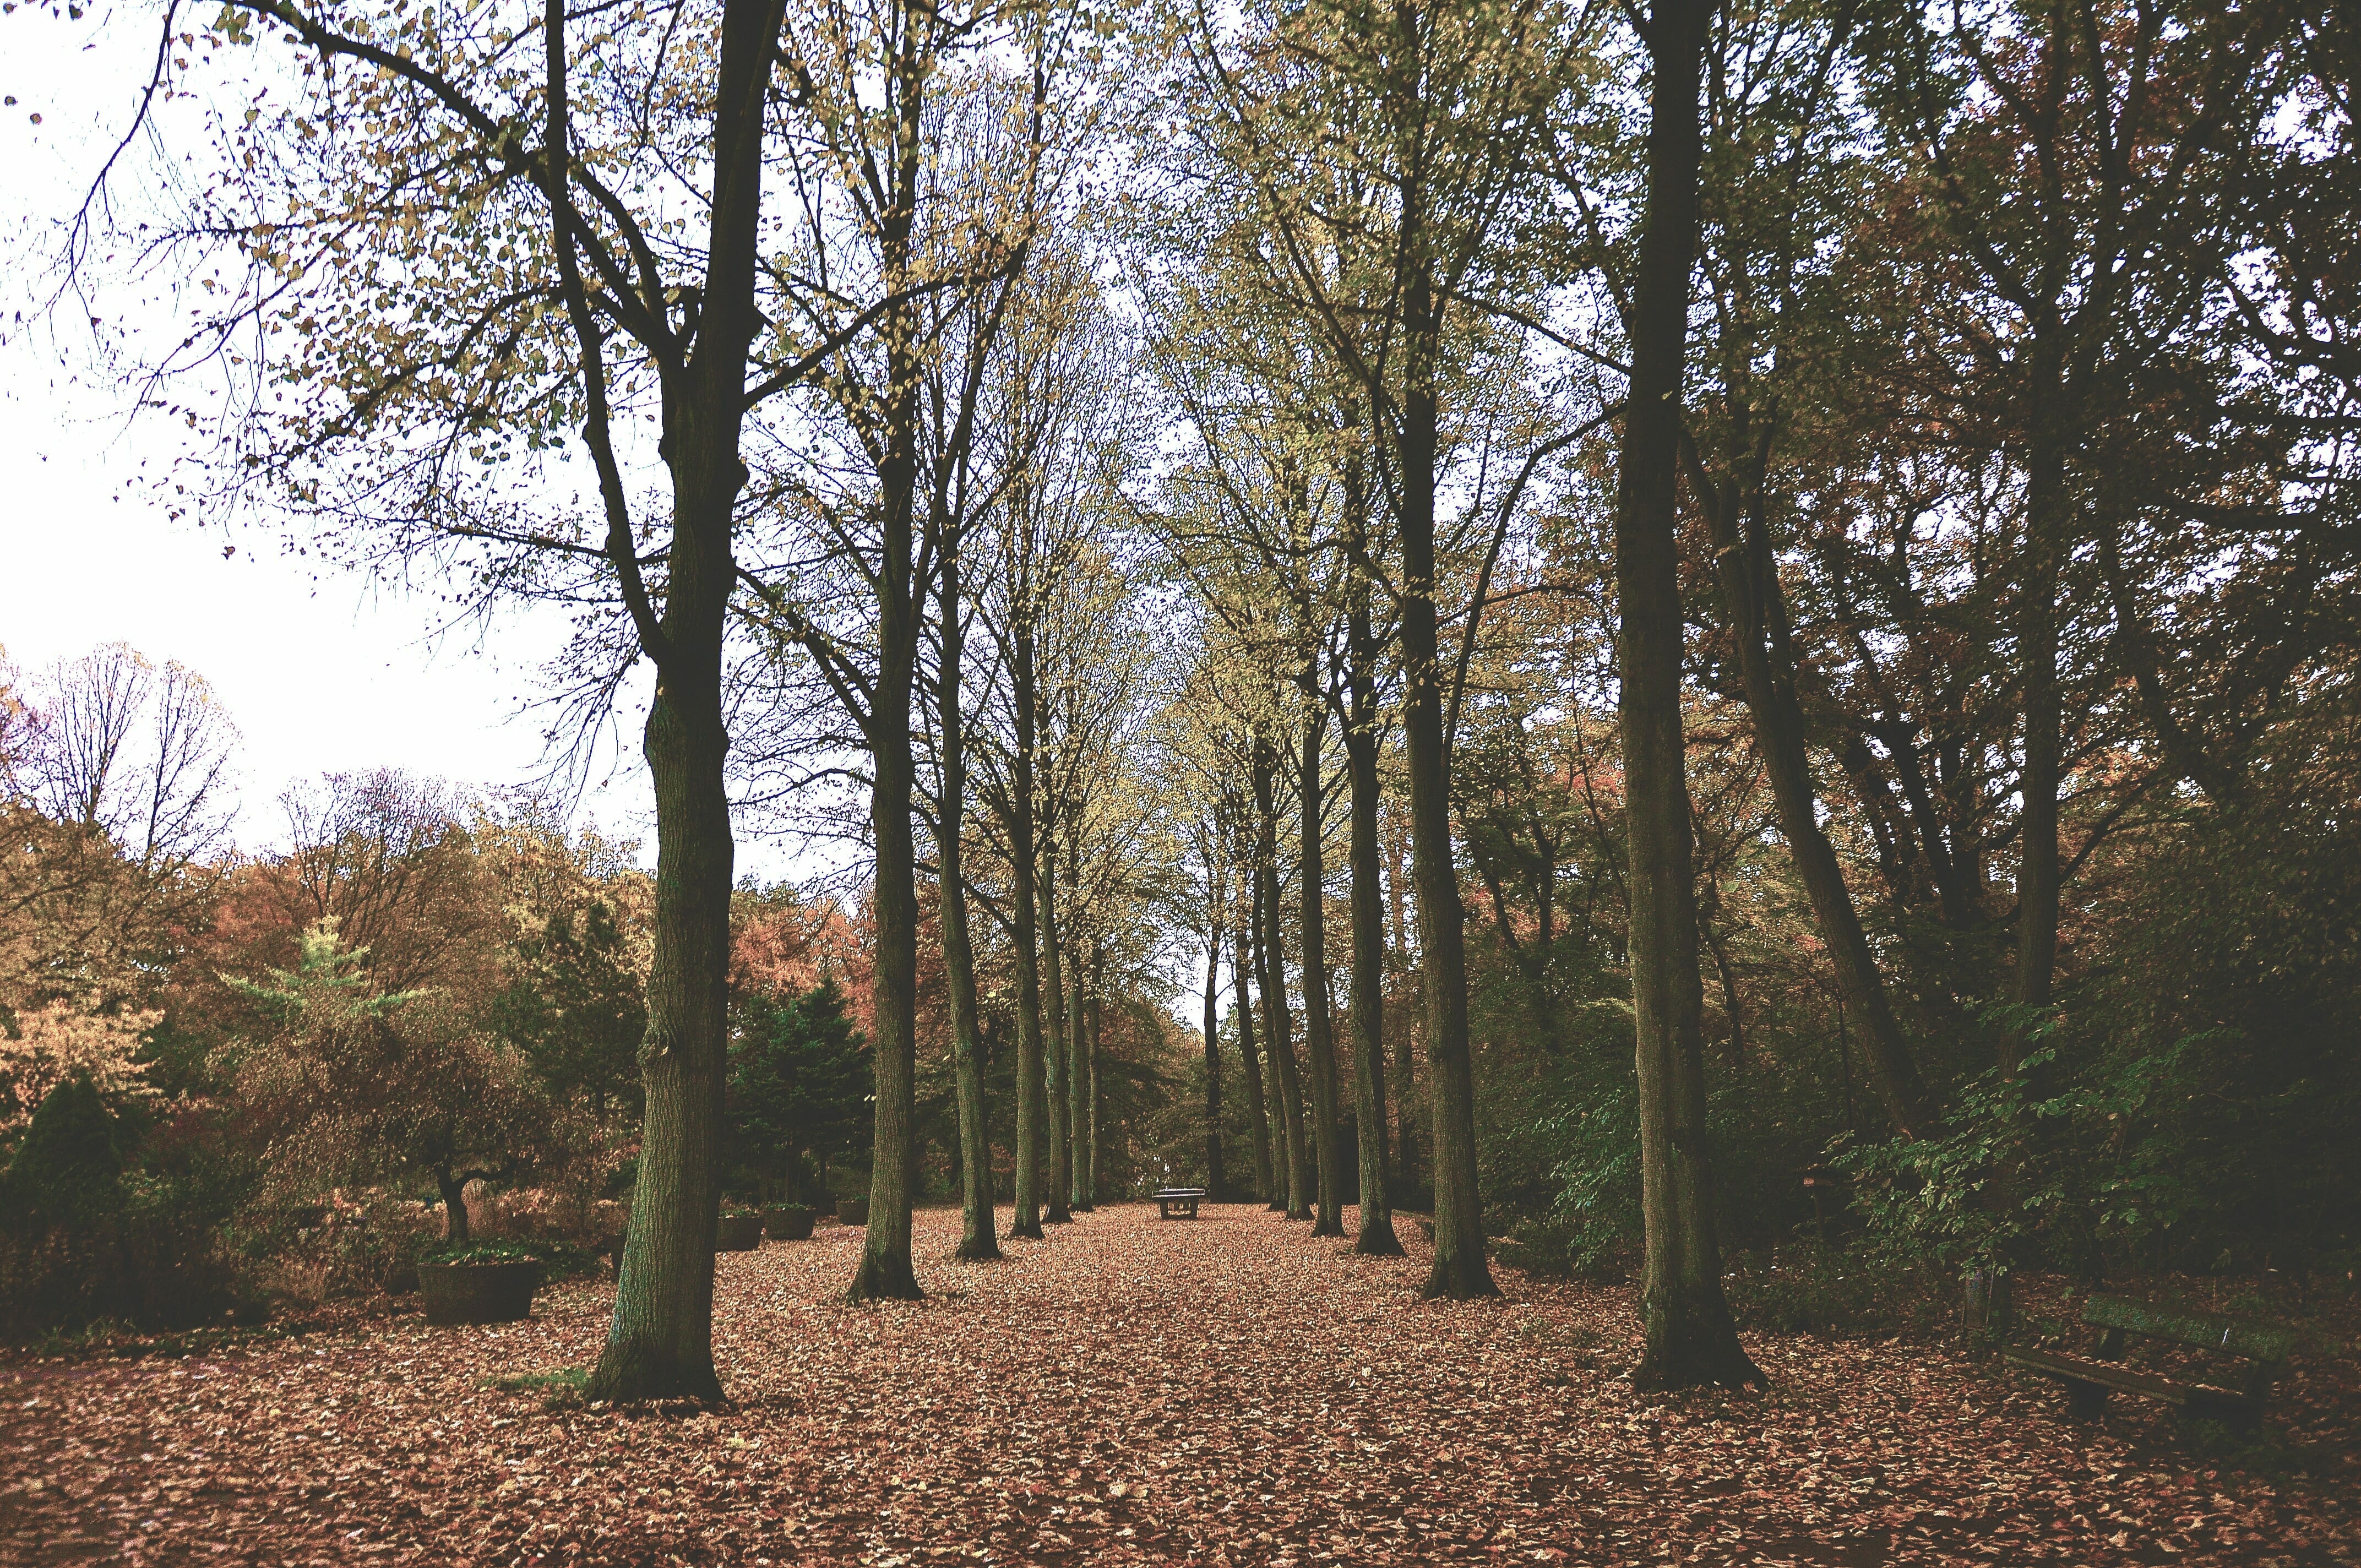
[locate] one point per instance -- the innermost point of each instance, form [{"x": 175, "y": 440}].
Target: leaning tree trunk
[
  {"x": 1319, "y": 1034},
  {"x": 660, "y": 1341},
  {"x": 1690, "y": 1337},
  {"x": 1756, "y": 606},
  {"x": 979, "y": 1239},
  {"x": 1375, "y": 1234},
  {"x": 1460, "y": 1271},
  {"x": 1056, "y": 1052},
  {"x": 1250, "y": 1054}
]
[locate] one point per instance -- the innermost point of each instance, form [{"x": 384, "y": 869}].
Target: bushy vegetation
[{"x": 2187, "y": 1106}]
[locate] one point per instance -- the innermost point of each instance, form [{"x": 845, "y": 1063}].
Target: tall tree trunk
[
  {"x": 1250, "y": 1050},
  {"x": 1216, "y": 1183},
  {"x": 1756, "y": 606},
  {"x": 1460, "y": 1271},
  {"x": 1056, "y": 1051},
  {"x": 1078, "y": 1107},
  {"x": 979, "y": 1236},
  {"x": 2039, "y": 876},
  {"x": 1024, "y": 873},
  {"x": 1319, "y": 1034},
  {"x": 1376, "y": 1236},
  {"x": 660, "y": 1344},
  {"x": 660, "y": 1341},
  {"x": 1274, "y": 1104},
  {"x": 1270, "y": 963},
  {"x": 1690, "y": 1338},
  {"x": 885, "y": 1271},
  {"x": 1402, "y": 1065},
  {"x": 1091, "y": 1080}
]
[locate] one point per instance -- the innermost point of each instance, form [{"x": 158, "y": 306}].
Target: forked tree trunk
[
  {"x": 1690, "y": 1337},
  {"x": 1460, "y": 1271},
  {"x": 1319, "y": 1033},
  {"x": 660, "y": 1341},
  {"x": 1250, "y": 1054},
  {"x": 978, "y": 1237},
  {"x": 455, "y": 1207},
  {"x": 1056, "y": 1052}
]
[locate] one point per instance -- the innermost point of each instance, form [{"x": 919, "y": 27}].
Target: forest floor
[{"x": 1132, "y": 1391}]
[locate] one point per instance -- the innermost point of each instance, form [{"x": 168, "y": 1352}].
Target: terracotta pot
[
  {"x": 788, "y": 1223},
  {"x": 478, "y": 1292},
  {"x": 852, "y": 1211},
  {"x": 739, "y": 1232}
]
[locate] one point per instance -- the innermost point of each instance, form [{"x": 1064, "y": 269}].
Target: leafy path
[{"x": 1126, "y": 1391}]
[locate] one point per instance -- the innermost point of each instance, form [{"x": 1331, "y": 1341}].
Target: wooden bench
[
  {"x": 2264, "y": 1347},
  {"x": 1184, "y": 1199}
]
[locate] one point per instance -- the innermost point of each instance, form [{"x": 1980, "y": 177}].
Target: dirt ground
[{"x": 1128, "y": 1390}]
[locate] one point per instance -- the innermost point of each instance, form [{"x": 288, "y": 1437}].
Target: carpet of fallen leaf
[{"x": 1127, "y": 1390}]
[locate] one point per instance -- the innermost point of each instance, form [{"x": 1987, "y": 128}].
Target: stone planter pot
[
  {"x": 739, "y": 1232},
  {"x": 788, "y": 1223},
  {"x": 852, "y": 1211},
  {"x": 478, "y": 1292}
]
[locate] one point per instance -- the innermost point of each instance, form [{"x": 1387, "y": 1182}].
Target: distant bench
[
  {"x": 1184, "y": 1199},
  {"x": 2263, "y": 1345}
]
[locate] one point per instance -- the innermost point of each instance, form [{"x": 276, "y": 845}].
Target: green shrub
[
  {"x": 559, "y": 1260},
  {"x": 1830, "y": 1292},
  {"x": 68, "y": 1172}
]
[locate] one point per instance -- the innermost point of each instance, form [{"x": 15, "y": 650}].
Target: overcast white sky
[{"x": 321, "y": 671}]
